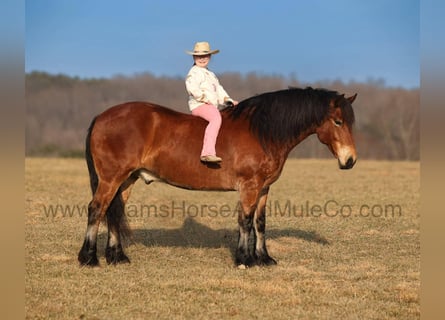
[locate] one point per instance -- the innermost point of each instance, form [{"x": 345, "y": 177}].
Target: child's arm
[{"x": 193, "y": 86}]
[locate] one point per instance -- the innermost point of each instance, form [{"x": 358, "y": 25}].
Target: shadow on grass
[{"x": 196, "y": 235}]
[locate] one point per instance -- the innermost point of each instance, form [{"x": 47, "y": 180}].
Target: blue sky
[{"x": 350, "y": 40}]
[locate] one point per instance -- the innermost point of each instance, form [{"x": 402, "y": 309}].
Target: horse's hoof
[
  {"x": 245, "y": 260},
  {"x": 115, "y": 256},
  {"x": 265, "y": 261},
  {"x": 120, "y": 260},
  {"x": 88, "y": 261}
]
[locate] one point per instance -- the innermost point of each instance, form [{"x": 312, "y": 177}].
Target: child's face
[{"x": 202, "y": 61}]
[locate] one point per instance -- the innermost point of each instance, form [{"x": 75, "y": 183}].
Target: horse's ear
[{"x": 352, "y": 98}]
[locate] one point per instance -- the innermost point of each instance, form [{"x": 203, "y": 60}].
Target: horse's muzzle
[{"x": 348, "y": 165}]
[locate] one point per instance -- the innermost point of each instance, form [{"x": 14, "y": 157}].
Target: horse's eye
[{"x": 338, "y": 123}]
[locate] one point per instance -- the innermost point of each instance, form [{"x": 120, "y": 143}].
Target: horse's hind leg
[
  {"x": 117, "y": 225},
  {"x": 96, "y": 212}
]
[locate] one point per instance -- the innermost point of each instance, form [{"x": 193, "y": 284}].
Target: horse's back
[
  {"x": 139, "y": 111},
  {"x": 135, "y": 120}
]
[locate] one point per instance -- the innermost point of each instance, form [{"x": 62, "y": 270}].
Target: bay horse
[{"x": 143, "y": 140}]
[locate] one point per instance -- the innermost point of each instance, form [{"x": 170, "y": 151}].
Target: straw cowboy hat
[{"x": 201, "y": 49}]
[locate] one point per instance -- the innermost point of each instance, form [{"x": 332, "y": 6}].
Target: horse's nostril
[{"x": 349, "y": 163}]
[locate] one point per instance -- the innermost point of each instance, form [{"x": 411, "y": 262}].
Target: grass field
[{"x": 347, "y": 245}]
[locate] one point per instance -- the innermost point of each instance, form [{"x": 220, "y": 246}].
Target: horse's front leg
[
  {"x": 243, "y": 256},
  {"x": 261, "y": 255},
  {"x": 248, "y": 201}
]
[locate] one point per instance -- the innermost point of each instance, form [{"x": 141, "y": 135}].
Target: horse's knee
[{"x": 95, "y": 212}]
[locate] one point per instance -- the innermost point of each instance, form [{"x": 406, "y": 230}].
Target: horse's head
[{"x": 336, "y": 131}]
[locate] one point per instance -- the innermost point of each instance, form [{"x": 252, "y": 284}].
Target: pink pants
[{"x": 211, "y": 114}]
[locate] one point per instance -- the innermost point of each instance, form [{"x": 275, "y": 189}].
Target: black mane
[{"x": 283, "y": 115}]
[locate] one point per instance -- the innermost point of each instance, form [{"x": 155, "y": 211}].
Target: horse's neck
[{"x": 288, "y": 146}]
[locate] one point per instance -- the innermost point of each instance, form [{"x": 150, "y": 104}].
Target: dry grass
[{"x": 329, "y": 266}]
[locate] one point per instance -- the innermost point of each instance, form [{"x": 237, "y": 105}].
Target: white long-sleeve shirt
[{"x": 203, "y": 87}]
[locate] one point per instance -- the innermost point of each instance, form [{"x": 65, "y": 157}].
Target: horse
[{"x": 143, "y": 140}]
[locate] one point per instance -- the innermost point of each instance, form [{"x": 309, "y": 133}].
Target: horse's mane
[{"x": 282, "y": 115}]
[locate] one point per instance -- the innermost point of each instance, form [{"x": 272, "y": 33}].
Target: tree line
[{"x": 59, "y": 109}]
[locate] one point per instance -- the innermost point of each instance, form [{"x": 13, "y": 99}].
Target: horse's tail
[
  {"x": 91, "y": 169},
  {"x": 116, "y": 210}
]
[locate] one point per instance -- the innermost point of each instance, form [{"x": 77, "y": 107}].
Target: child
[{"x": 205, "y": 94}]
